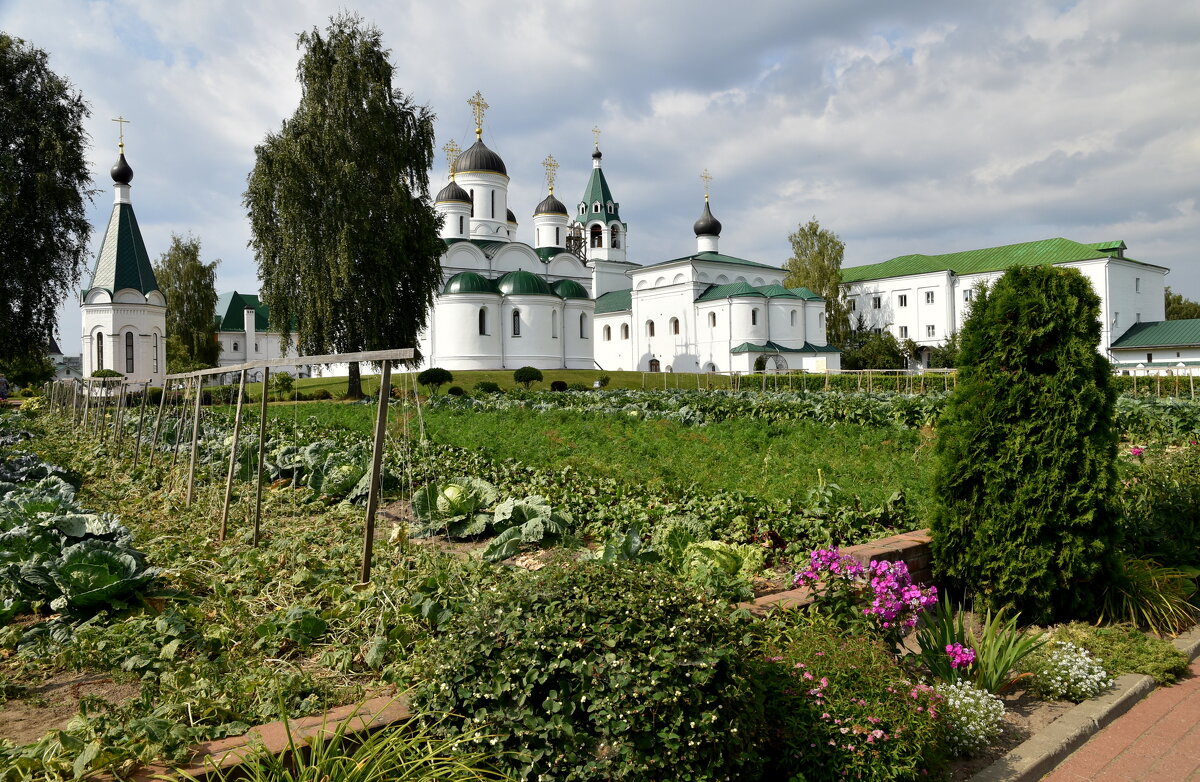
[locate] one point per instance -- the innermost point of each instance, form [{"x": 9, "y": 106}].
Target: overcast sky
[{"x": 906, "y": 127}]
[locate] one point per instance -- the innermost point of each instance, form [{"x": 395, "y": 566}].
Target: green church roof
[
  {"x": 469, "y": 282},
  {"x": 569, "y": 289},
  {"x": 1160, "y": 334},
  {"x": 775, "y": 347},
  {"x": 230, "y": 307},
  {"x": 597, "y": 190},
  {"x": 718, "y": 258},
  {"x": 122, "y": 261},
  {"x": 614, "y": 301},
  {"x": 523, "y": 283},
  {"x": 991, "y": 259}
]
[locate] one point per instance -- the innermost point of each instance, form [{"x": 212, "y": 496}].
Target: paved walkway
[{"x": 1158, "y": 739}]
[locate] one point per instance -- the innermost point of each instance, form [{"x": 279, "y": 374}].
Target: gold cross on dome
[
  {"x": 452, "y": 151},
  {"x": 707, "y": 179},
  {"x": 479, "y": 107},
  {"x": 551, "y": 166},
  {"x": 121, "y": 122},
  {"x": 596, "y": 134}
]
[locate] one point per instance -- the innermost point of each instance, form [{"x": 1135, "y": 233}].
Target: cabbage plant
[{"x": 459, "y": 507}]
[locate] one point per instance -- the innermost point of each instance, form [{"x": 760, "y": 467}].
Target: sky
[{"x": 927, "y": 126}]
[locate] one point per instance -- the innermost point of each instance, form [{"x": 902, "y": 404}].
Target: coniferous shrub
[{"x": 1024, "y": 512}]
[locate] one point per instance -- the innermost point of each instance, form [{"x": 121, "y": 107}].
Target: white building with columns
[
  {"x": 573, "y": 300},
  {"x": 926, "y": 298},
  {"x": 124, "y": 312}
]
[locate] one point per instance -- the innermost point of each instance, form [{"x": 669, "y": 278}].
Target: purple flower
[
  {"x": 1135, "y": 451},
  {"x": 960, "y": 656}
]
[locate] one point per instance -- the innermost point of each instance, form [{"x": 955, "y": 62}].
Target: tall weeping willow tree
[
  {"x": 1024, "y": 513},
  {"x": 341, "y": 222}
]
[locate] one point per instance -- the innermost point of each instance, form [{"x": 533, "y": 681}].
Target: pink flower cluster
[
  {"x": 1135, "y": 451},
  {"x": 897, "y": 599},
  {"x": 960, "y": 656},
  {"x": 829, "y": 561}
]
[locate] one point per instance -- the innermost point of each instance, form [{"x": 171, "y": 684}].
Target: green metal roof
[
  {"x": 614, "y": 301},
  {"x": 1041, "y": 253},
  {"x": 806, "y": 294},
  {"x": 732, "y": 289},
  {"x": 569, "y": 289},
  {"x": 547, "y": 253},
  {"x": 775, "y": 347},
  {"x": 230, "y": 306},
  {"x": 709, "y": 257},
  {"x": 122, "y": 261},
  {"x": 597, "y": 190},
  {"x": 469, "y": 282},
  {"x": 523, "y": 283},
  {"x": 1160, "y": 334}
]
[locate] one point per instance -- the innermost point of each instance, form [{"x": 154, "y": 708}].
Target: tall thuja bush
[{"x": 1024, "y": 512}]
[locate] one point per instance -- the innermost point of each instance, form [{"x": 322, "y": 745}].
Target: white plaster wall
[
  {"x": 534, "y": 346},
  {"x": 487, "y": 223},
  {"x": 146, "y": 321},
  {"x": 578, "y": 338},
  {"x": 615, "y": 353},
  {"x": 1128, "y": 292},
  {"x": 455, "y": 341}
]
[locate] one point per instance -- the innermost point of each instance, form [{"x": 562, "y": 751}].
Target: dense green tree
[
  {"x": 866, "y": 349},
  {"x": 342, "y": 226},
  {"x": 945, "y": 355},
  {"x": 1180, "y": 308},
  {"x": 816, "y": 264},
  {"x": 1026, "y": 451},
  {"x": 31, "y": 369},
  {"x": 527, "y": 376},
  {"x": 189, "y": 286},
  {"x": 44, "y": 184}
]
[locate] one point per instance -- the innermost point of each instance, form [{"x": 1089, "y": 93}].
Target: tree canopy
[
  {"x": 816, "y": 264},
  {"x": 189, "y": 286},
  {"x": 1180, "y": 308},
  {"x": 44, "y": 184},
  {"x": 342, "y": 226},
  {"x": 1026, "y": 451}
]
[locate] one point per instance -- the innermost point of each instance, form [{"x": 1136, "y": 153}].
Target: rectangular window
[
  {"x": 968, "y": 294},
  {"x": 904, "y": 332},
  {"x": 853, "y": 305},
  {"x": 1149, "y": 357},
  {"x": 930, "y": 331},
  {"x": 929, "y": 297},
  {"x": 1137, "y": 284},
  {"x": 876, "y": 302},
  {"x": 902, "y": 300}
]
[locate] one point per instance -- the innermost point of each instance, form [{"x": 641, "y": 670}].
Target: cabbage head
[
  {"x": 96, "y": 572},
  {"x": 458, "y": 507}
]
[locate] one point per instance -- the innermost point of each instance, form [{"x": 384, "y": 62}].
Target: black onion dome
[
  {"x": 121, "y": 172},
  {"x": 512, "y": 218},
  {"x": 550, "y": 206},
  {"x": 597, "y": 154},
  {"x": 479, "y": 158},
  {"x": 707, "y": 225},
  {"x": 452, "y": 192}
]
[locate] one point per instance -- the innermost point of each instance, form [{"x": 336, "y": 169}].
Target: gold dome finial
[
  {"x": 452, "y": 151},
  {"x": 479, "y": 107},
  {"x": 596, "y": 135},
  {"x": 121, "y": 122},
  {"x": 551, "y": 166},
  {"x": 707, "y": 179}
]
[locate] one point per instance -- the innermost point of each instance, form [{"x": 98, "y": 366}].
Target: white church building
[{"x": 573, "y": 300}]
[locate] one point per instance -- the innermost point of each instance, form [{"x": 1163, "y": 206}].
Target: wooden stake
[
  {"x": 195, "y": 440},
  {"x": 179, "y": 422},
  {"x": 137, "y": 441},
  {"x": 162, "y": 401},
  {"x": 237, "y": 429},
  {"x": 262, "y": 439},
  {"x": 385, "y": 391}
]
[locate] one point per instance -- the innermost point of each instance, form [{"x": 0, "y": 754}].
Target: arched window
[
  {"x": 649, "y": 328},
  {"x": 583, "y": 209},
  {"x": 235, "y": 347},
  {"x": 583, "y": 327},
  {"x": 483, "y": 329},
  {"x": 596, "y": 207},
  {"x": 616, "y": 237},
  {"x": 557, "y": 236},
  {"x": 516, "y": 323},
  {"x": 129, "y": 352},
  {"x": 624, "y": 331},
  {"x": 155, "y": 356},
  {"x": 597, "y": 236},
  {"x": 462, "y": 228},
  {"x": 608, "y": 333},
  {"x": 472, "y": 202},
  {"x": 554, "y": 324},
  {"x": 712, "y": 320},
  {"x": 493, "y": 192},
  {"x": 674, "y": 325},
  {"x": 99, "y": 351},
  {"x": 793, "y": 317},
  {"x": 754, "y": 317}
]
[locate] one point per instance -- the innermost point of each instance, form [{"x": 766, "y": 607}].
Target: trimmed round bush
[
  {"x": 558, "y": 385},
  {"x": 487, "y": 387},
  {"x": 455, "y": 391},
  {"x": 321, "y": 393},
  {"x": 435, "y": 378},
  {"x": 595, "y": 671},
  {"x": 527, "y": 376}
]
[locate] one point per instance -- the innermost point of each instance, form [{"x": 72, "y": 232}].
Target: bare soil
[
  {"x": 29, "y": 713},
  {"x": 1024, "y": 717}
]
